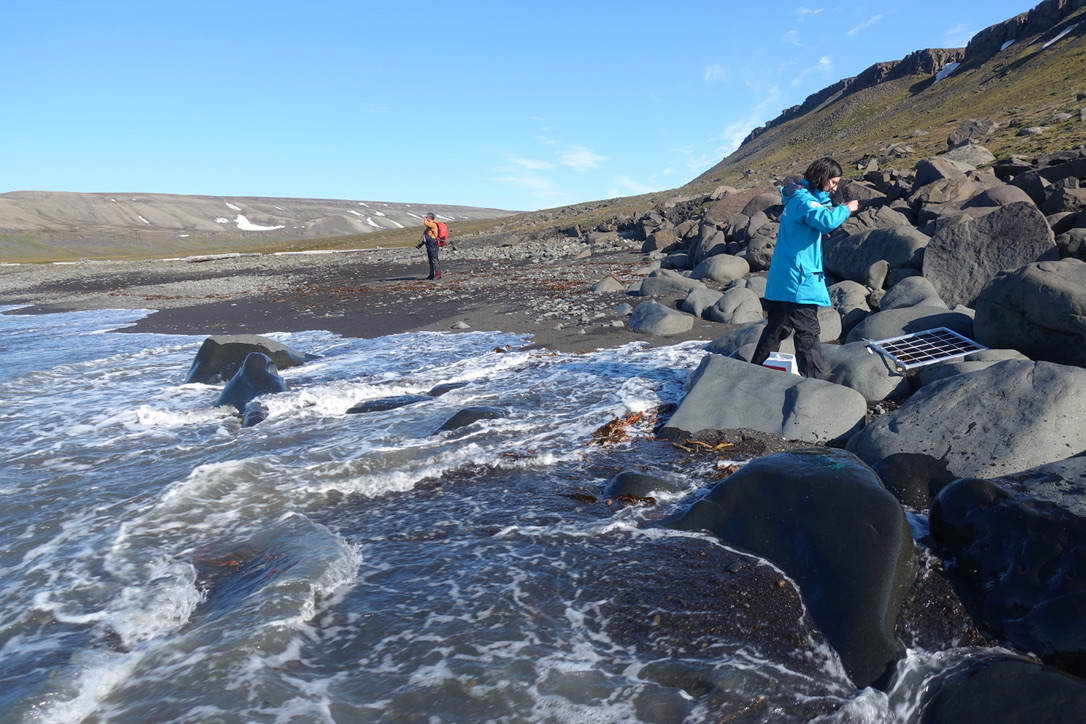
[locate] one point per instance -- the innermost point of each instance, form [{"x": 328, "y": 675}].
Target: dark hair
[
  {"x": 430, "y": 216},
  {"x": 820, "y": 172}
]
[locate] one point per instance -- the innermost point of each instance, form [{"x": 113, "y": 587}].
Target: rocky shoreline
[{"x": 989, "y": 446}]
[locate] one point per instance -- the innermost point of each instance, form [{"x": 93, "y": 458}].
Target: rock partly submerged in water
[
  {"x": 822, "y": 517},
  {"x": 257, "y": 376},
  {"x": 220, "y": 356}
]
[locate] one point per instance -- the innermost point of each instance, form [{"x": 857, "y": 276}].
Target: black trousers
[
  {"x": 431, "y": 257},
  {"x": 784, "y": 318}
]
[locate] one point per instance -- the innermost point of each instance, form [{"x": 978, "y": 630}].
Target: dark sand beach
[{"x": 354, "y": 294}]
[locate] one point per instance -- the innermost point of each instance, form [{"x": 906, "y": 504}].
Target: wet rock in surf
[
  {"x": 257, "y": 376},
  {"x": 1020, "y": 562},
  {"x": 1003, "y": 689},
  {"x": 382, "y": 404},
  {"x": 468, "y": 415},
  {"x": 822, "y": 517},
  {"x": 640, "y": 485},
  {"x": 220, "y": 356}
]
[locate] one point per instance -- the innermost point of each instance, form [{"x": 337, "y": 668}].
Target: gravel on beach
[{"x": 537, "y": 290}]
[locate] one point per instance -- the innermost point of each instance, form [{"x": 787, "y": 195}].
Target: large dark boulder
[
  {"x": 963, "y": 257},
  {"x": 852, "y": 256},
  {"x": 1021, "y": 563},
  {"x": 1002, "y": 419},
  {"x": 822, "y": 517},
  {"x": 1038, "y": 309},
  {"x": 1004, "y": 690},
  {"x": 220, "y": 357},
  {"x": 909, "y": 320}
]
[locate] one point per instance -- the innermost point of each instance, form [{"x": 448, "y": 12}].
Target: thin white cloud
[
  {"x": 801, "y": 13},
  {"x": 715, "y": 73},
  {"x": 540, "y": 188},
  {"x": 792, "y": 38},
  {"x": 532, "y": 163},
  {"x": 580, "y": 158},
  {"x": 626, "y": 186},
  {"x": 734, "y": 134},
  {"x": 958, "y": 36},
  {"x": 824, "y": 66},
  {"x": 865, "y": 25}
]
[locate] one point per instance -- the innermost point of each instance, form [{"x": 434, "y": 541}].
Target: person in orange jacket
[{"x": 429, "y": 238}]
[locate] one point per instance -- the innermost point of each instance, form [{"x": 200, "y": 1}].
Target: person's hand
[{"x": 853, "y": 206}]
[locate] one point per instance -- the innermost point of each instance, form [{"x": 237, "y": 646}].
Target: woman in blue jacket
[{"x": 796, "y": 284}]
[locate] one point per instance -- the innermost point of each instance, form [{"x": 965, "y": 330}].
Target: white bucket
[{"x": 781, "y": 361}]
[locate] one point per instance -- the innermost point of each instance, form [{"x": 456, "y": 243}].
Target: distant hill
[
  {"x": 1027, "y": 75},
  {"x": 48, "y": 225}
]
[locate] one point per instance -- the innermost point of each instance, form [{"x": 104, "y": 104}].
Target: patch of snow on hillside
[
  {"x": 378, "y": 213},
  {"x": 371, "y": 222},
  {"x": 235, "y": 208},
  {"x": 245, "y": 225},
  {"x": 221, "y": 220},
  {"x": 356, "y": 213},
  {"x": 363, "y": 203},
  {"x": 1065, "y": 31},
  {"x": 142, "y": 219},
  {"x": 1008, "y": 44},
  {"x": 398, "y": 224},
  {"x": 946, "y": 70}
]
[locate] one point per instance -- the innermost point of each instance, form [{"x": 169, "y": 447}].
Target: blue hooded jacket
[{"x": 795, "y": 273}]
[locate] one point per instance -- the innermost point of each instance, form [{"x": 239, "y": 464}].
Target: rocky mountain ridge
[{"x": 1024, "y": 75}]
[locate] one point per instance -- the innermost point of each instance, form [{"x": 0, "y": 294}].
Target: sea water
[{"x": 164, "y": 564}]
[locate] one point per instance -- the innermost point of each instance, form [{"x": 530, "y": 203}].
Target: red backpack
[{"x": 442, "y": 233}]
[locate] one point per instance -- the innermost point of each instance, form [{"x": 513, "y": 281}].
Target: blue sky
[{"x": 504, "y": 105}]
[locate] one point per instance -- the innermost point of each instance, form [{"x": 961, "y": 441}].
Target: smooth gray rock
[
  {"x": 1003, "y": 419},
  {"x": 759, "y": 251},
  {"x": 698, "y": 301},
  {"x": 382, "y": 404},
  {"x": 851, "y": 257},
  {"x": 962, "y": 258},
  {"x": 822, "y": 517},
  {"x": 911, "y": 292},
  {"x": 997, "y": 196},
  {"x": 666, "y": 282},
  {"x": 736, "y": 306},
  {"x": 972, "y": 362},
  {"x": 1038, "y": 309},
  {"x": 654, "y": 318},
  {"x": 747, "y": 335},
  {"x": 872, "y": 375},
  {"x": 907, "y": 320},
  {"x": 849, "y": 298},
  {"x": 727, "y": 393},
  {"x": 608, "y": 284},
  {"x": 722, "y": 268}
]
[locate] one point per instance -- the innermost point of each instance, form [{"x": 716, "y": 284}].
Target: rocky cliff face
[
  {"x": 999, "y": 74},
  {"x": 927, "y": 62},
  {"x": 1046, "y": 15}
]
